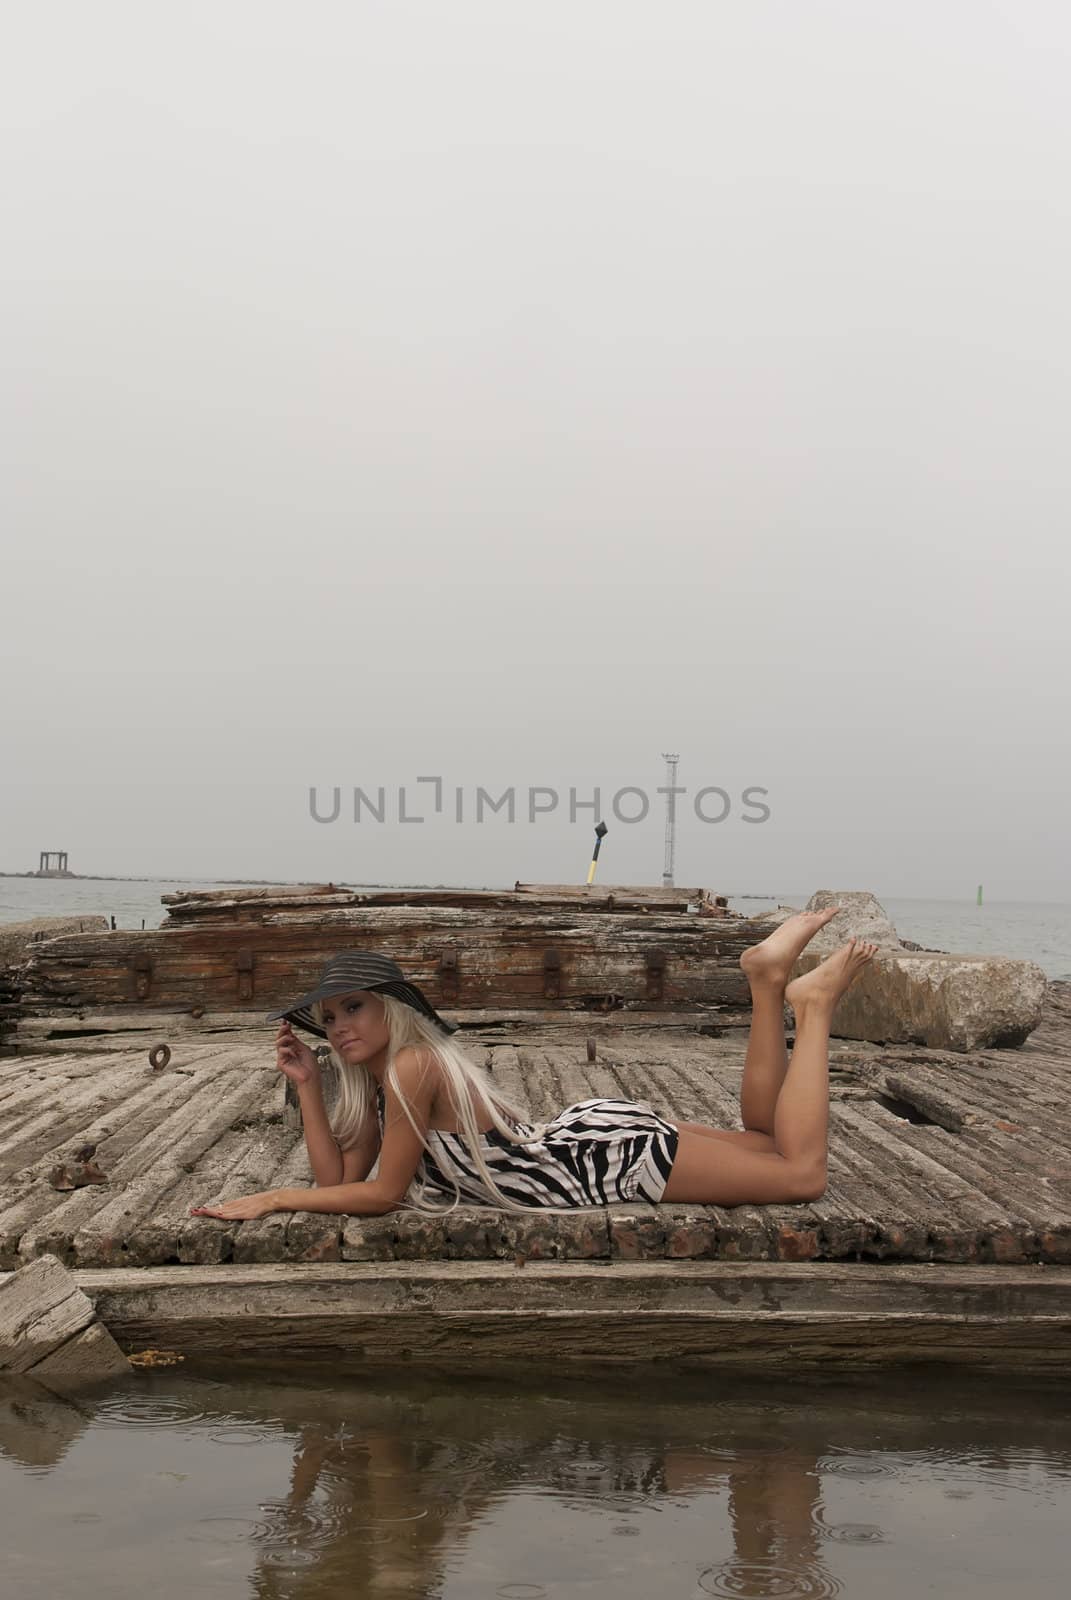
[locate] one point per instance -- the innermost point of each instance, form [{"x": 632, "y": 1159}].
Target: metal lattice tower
[{"x": 671, "y": 820}]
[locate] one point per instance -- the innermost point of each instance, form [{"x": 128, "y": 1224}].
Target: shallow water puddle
[{"x": 177, "y": 1484}]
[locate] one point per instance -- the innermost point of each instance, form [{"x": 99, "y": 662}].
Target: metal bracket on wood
[
  {"x": 243, "y": 962},
  {"x": 142, "y": 967},
  {"x": 656, "y": 972},
  {"x": 449, "y": 977},
  {"x": 552, "y": 975}
]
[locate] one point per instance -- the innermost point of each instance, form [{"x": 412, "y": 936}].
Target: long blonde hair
[{"x": 468, "y": 1087}]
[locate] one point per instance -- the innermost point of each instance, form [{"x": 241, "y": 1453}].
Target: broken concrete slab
[
  {"x": 947, "y": 1002},
  {"x": 925, "y": 997},
  {"x": 862, "y": 916}
]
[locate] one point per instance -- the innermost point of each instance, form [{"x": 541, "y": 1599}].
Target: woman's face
[{"x": 356, "y": 1026}]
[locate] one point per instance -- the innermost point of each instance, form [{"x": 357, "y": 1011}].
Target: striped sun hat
[{"x": 358, "y": 969}]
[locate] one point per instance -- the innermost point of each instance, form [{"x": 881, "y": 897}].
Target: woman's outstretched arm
[{"x": 348, "y": 1199}]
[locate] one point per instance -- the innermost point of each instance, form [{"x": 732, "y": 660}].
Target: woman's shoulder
[
  {"x": 415, "y": 1057},
  {"x": 415, "y": 1066}
]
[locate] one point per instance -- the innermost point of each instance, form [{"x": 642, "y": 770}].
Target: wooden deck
[
  {"x": 944, "y": 1236},
  {"x": 934, "y": 1157}
]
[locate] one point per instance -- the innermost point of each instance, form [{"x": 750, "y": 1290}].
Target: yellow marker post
[{"x": 600, "y": 833}]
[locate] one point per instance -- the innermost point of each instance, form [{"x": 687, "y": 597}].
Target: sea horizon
[
  {"x": 783, "y": 897},
  {"x": 1028, "y": 930}
]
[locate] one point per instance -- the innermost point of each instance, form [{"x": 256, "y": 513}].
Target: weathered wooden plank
[
  {"x": 369, "y": 1238},
  {"x": 48, "y": 1328},
  {"x": 264, "y": 1238},
  {"x": 202, "y": 1240},
  {"x": 240, "y": 1162},
  {"x": 789, "y": 1343},
  {"x": 919, "y": 1209},
  {"x": 39, "y": 1311},
  {"x": 91, "y": 1357},
  {"x": 542, "y": 1095},
  {"x": 155, "y": 1237},
  {"x": 100, "y": 1238},
  {"x": 246, "y": 904},
  {"x": 69, "y": 1114},
  {"x": 846, "y": 1225},
  {"x": 20, "y": 1096},
  {"x": 1045, "y": 1214},
  {"x": 941, "y": 1106},
  {"x": 656, "y": 1082},
  {"x": 147, "y": 1167},
  {"x": 499, "y": 959},
  {"x": 636, "y": 1232},
  {"x": 702, "y": 1019},
  {"x": 898, "y": 1216},
  {"x": 968, "y": 1289},
  {"x": 965, "y": 1222},
  {"x": 983, "y": 1098},
  {"x": 63, "y": 1099},
  {"x": 691, "y": 1233},
  {"x": 26, "y": 1197},
  {"x": 133, "y": 1028},
  {"x": 628, "y": 895},
  {"x": 601, "y": 1082},
  {"x": 313, "y": 1236},
  {"x": 511, "y": 1072},
  {"x": 569, "y": 1236},
  {"x": 705, "y": 1313},
  {"x": 182, "y": 903}
]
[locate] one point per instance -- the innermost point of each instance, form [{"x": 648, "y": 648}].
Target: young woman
[{"x": 442, "y": 1132}]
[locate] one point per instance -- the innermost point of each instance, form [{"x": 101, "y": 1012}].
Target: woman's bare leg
[
  {"x": 767, "y": 966},
  {"x": 801, "y": 1119},
  {"x": 745, "y": 1139},
  {"x": 795, "y": 1169}
]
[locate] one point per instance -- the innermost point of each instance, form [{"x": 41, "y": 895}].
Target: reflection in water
[
  {"x": 377, "y": 1512},
  {"x": 459, "y": 1491}
]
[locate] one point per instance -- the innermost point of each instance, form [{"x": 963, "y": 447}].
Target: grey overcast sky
[{"x": 513, "y": 392}]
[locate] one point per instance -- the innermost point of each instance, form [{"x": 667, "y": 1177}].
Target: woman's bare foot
[
  {"x": 833, "y": 977},
  {"x": 771, "y": 961}
]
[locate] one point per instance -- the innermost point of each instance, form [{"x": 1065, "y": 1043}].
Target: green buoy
[{"x": 979, "y": 894}]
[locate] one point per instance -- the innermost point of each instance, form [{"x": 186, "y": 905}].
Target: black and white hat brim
[{"x": 300, "y": 1012}]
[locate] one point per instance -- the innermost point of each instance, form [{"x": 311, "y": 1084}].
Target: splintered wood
[{"x": 49, "y": 1330}]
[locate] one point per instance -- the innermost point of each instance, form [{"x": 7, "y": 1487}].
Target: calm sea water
[
  {"x": 337, "y": 1489},
  {"x": 130, "y": 901},
  {"x": 1031, "y": 932}
]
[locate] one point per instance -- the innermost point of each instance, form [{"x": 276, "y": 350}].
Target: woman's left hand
[{"x": 244, "y": 1209}]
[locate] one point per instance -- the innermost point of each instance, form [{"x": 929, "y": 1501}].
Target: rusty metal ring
[{"x": 159, "y": 1056}]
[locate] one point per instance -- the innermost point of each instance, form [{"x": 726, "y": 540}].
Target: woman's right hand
[{"x": 294, "y": 1059}]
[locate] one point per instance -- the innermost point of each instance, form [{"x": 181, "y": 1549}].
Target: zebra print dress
[{"x": 591, "y": 1154}]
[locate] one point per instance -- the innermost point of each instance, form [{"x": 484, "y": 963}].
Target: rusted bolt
[
  {"x": 198, "y": 1011},
  {"x": 159, "y": 1056},
  {"x": 591, "y": 1049}
]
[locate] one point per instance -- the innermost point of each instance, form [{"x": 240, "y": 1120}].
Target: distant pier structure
[{"x": 53, "y": 865}]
